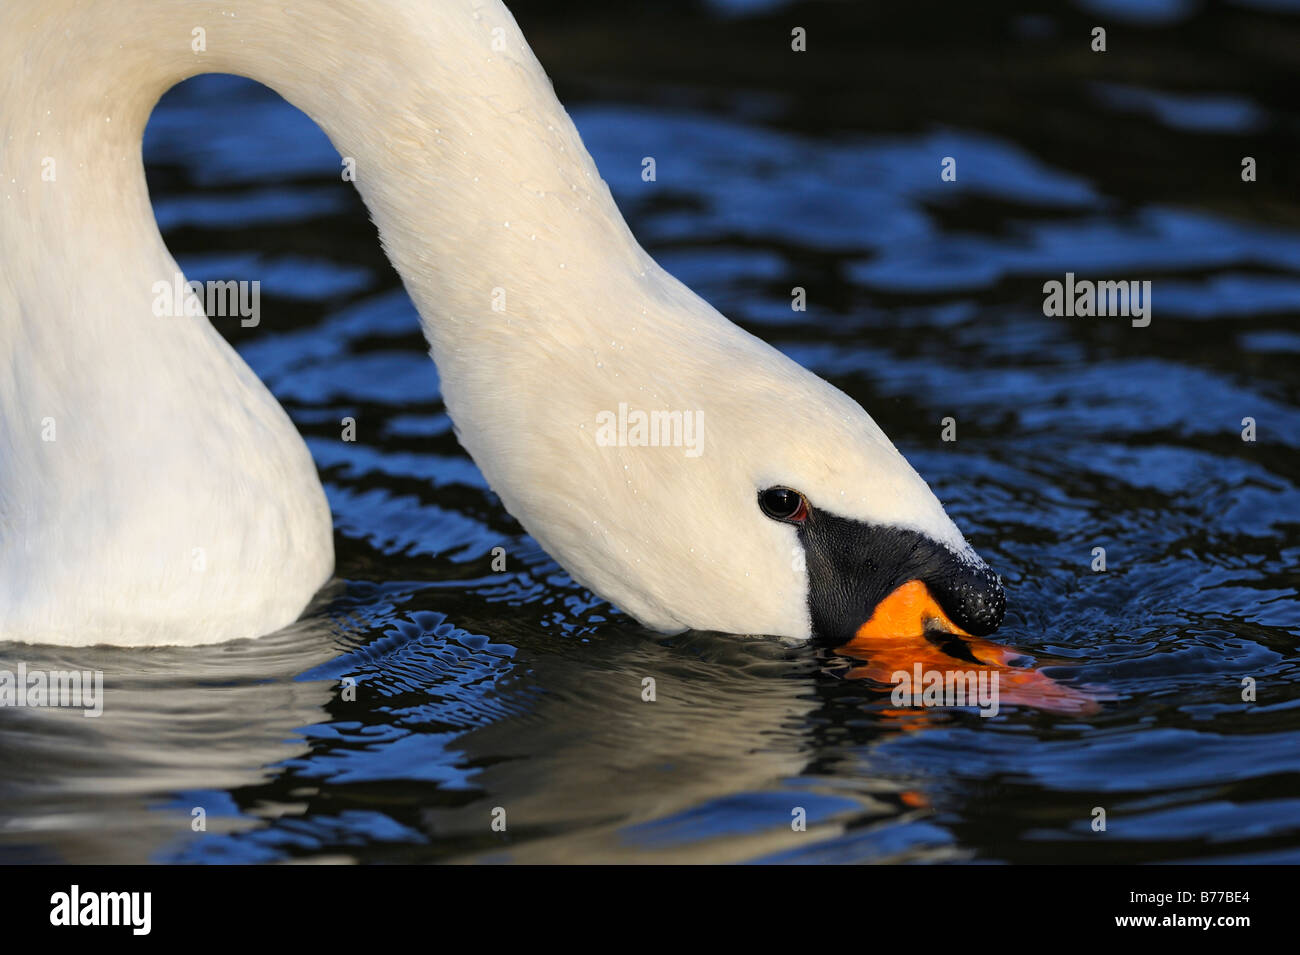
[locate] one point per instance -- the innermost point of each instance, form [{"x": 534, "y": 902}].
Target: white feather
[{"x": 170, "y": 453}]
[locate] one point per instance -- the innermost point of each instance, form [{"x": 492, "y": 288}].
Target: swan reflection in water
[{"x": 370, "y": 729}]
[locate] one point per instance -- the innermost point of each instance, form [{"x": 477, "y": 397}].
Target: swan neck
[{"x": 476, "y": 178}]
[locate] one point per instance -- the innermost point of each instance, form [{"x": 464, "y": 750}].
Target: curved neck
[
  {"x": 471, "y": 169},
  {"x": 540, "y": 308}
]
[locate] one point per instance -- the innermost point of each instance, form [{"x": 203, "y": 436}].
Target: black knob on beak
[
  {"x": 856, "y": 569},
  {"x": 969, "y": 593}
]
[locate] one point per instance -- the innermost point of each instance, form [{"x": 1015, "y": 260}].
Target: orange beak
[
  {"x": 895, "y": 639},
  {"x": 908, "y": 612}
]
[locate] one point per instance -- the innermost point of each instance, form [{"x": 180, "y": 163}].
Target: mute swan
[{"x": 153, "y": 492}]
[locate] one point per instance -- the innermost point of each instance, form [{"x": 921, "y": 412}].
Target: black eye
[{"x": 783, "y": 504}]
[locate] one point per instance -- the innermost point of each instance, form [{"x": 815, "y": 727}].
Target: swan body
[{"x": 175, "y": 503}]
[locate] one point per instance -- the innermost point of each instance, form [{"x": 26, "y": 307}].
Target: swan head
[
  {"x": 871, "y": 549},
  {"x": 698, "y": 478}
]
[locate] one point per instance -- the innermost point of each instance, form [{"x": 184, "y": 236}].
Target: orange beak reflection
[{"x": 909, "y": 627}]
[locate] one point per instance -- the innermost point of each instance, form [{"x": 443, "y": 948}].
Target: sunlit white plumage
[{"x": 177, "y": 503}]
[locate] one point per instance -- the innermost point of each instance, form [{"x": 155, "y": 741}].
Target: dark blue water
[{"x": 479, "y": 690}]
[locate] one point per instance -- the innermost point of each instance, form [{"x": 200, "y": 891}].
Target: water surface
[{"x": 478, "y": 689}]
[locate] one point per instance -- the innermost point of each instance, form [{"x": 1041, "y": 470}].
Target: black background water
[{"x": 519, "y": 690}]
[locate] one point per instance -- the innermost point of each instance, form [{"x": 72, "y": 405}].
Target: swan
[{"x": 153, "y": 492}]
